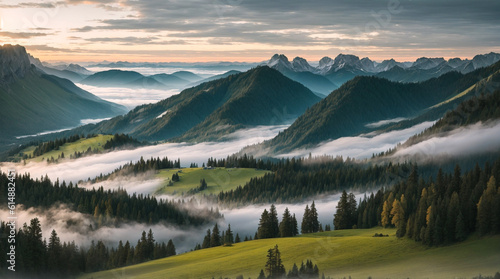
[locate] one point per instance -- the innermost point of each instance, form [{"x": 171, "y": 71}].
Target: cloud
[
  {"x": 21, "y": 35},
  {"x": 141, "y": 184},
  {"x": 129, "y": 97},
  {"x": 37, "y": 5},
  {"x": 92, "y": 166},
  {"x": 472, "y": 139},
  {"x": 363, "y": 146},
  {"x": 385, "y": 122},
  {"x": 75, "y": 226}
]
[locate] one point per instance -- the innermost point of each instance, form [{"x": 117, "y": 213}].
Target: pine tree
[
  {"x": 54, "y": 253},
  {"x": 286, "y": 225},
  {"x": 263, "y": 231},
  {"x": 450, "y": 229},
  {"x": 460, "y": 233},
  {"x": 229, "y": 236},
  {"x": 341, "y": 217},
  {"x": 206, "y": 240},
  {"x": 274, "y": 230},
  {"x": 170, "y": 251},
  {"x": 305, "y": 220},
  {"x": 313, "y": 218},
  {"x": 237, "y": 238},
  {"x": 295, "y": 226},
  {"x": 274, "y": 264},
  {"x": 215, "y": 239},
  {"x": 150, "y": 246}
]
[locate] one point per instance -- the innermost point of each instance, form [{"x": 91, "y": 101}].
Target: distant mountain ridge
[{"x": 345, "y": 67}]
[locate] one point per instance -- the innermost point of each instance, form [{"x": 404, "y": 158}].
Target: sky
[{"x": 249, "y": 30}]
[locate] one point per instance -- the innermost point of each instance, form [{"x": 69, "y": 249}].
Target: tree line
[
  {"x": 275, "y": 269},
  {"x": 294, "y": 179},
  {"x": 37, "y": 258},
  {"x": 434, "y": 212},
  {"x": 140, "y": 166},
  {"x": 105, "y": 206},
  {"x": 271, "y": 227}
]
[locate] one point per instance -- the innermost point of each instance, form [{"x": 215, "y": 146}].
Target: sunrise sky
[{"x": 249, "y": 30}]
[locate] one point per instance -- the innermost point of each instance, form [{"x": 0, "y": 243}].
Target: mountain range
[
  {"x": 368, "y": 104},
  {"x": 213, "y": 109},
  {"x": 330, "y": 73},
  {"x": 32, "y": 101}
]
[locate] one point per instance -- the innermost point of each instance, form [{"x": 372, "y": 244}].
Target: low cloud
[
  {"x": 75, "y": 226},
  {"x": 141, "y": 184},
  {"x": 385, "y": 122},
  {"x": 92, "y": 166},
  {"x": 472, "y": 139},
  {"x": 363, "y": 146},
  {"x": 130, "y": 98}
]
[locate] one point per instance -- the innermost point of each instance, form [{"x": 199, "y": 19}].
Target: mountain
[
  {"x": 347, "y": 66},
  {"x": 387, "y": 65},
  {"x": 478, "y": 103},
  {"x": 280, "y": 62},
  {"x": 260, "y": 97},
  {"x": 299, "y": 64},
  {"x": 324, "y": 65},
  {"x": 119, "y": 78},
  {"x": 171, "y": 80},
  {"x": 211, "y": 110},
  {"x": 186, "y": 75},
  {"x": 425, "y": 63},
  {"x": 300, "y": 71},
  {"x": 349, "y": 110},
  {"x": 32, "y": 101},
  {"x": 72, "y": 72}
]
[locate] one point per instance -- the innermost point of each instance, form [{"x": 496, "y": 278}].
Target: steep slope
[
  {"x": 73, "y": 72},
  {"x": 31, "y": 101},
  {"x": 364, "y": 100},
  {"x": 482, "y": 108},
  {"x": 239, "y": 100},
  {"x": 261, "y": 97}
]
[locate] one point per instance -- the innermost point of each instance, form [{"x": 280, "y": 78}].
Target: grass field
[
  {"x": 69, "y": 148},
  {"x": 218, "y": 179},
  {"x": 338, "y": 254}
]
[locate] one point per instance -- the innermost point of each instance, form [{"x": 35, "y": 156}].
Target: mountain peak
[
  {"x": 280, "y": 62},
  {"x": 14, "y": 62},
  {"x": 300, "y": 64},
  {"x": 325, "y": 62}
]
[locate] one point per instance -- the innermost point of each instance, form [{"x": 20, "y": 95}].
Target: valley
[{"x": 356, "y": 161}]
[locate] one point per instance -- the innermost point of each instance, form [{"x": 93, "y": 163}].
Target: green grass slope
[
  {"x": 338, "y": 254},
  {"x": 70, "y": 148},
  {"x": 219, "y": 179}
]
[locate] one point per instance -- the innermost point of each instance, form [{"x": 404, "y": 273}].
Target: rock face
[{"x": 14, "y": 63}]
